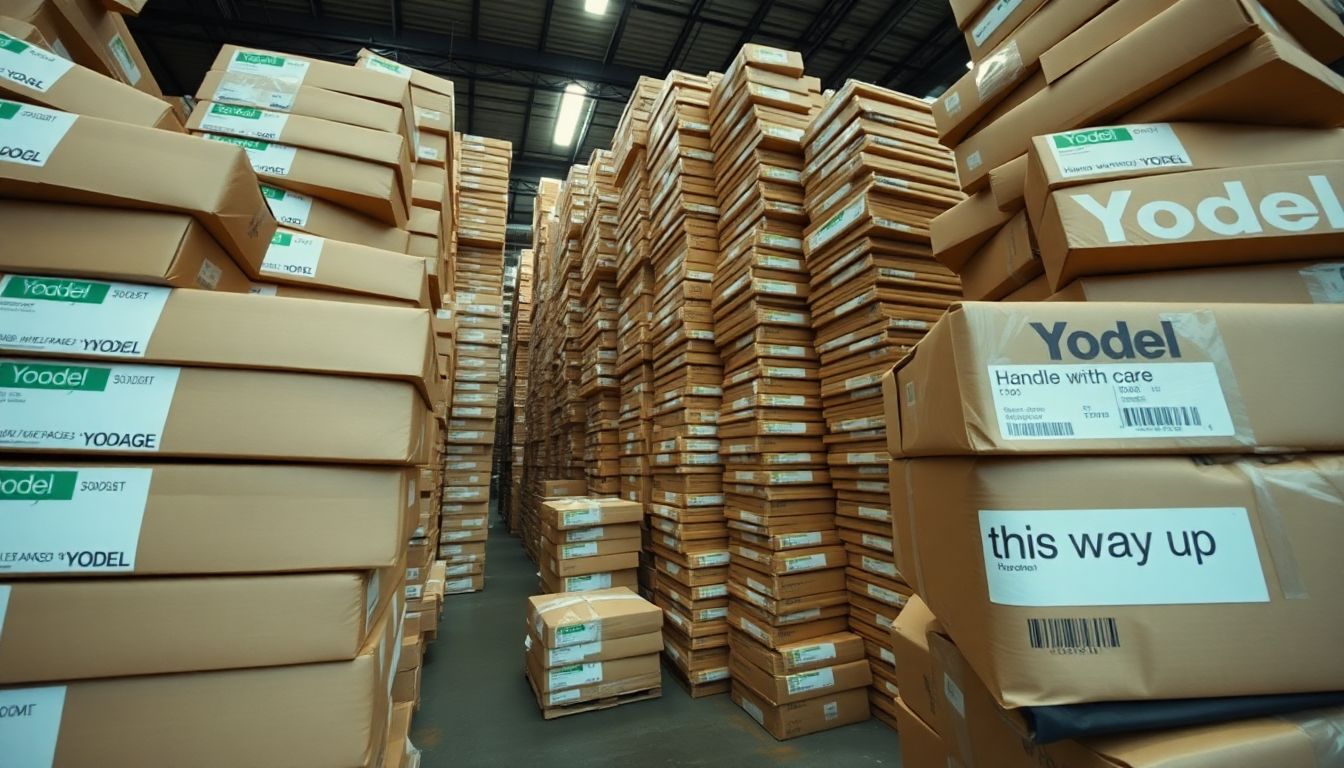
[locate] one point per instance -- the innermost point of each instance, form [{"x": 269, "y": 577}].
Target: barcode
[
  {"x": 1088, "y": 634},
  {"x": 1040, "y": 429},
  {"x": 1161, "y": 416}
]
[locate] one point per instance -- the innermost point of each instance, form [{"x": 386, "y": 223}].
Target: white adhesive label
[
  {"x": 572, "y": 655},
  {"x": 124, "y": 58},
  {"x": 379, "y": 64},
  {"x": 61, "y": 520},
  {"x": 575, "y": 675},
  {"x": 266, "y": 158},
  {"x": 52, "y": 314},
  {"x": 1196, "y": 555},
  {"x": 992, "y": 19},
  {"x": 887, "y": 596},
  {"x": 837, "y": 223},
  {"x": 288, "y": 207},
  {"x": 954, "y": 695},
  {"x": 427, "y": 153},
  {"x": 783, "y": 428},
  {"x": 563, "y": 697},
  {"x": 29, "y": 66},
  {"x": 28, "y": 135},
  {"x": 1325, "y": 283},
  {"x": 710, "y": 591},
  {"x": 30, "y": 725},
  {"x": 576, "y": 517},
  {"x": 811, "y": 653},
  {"x": 267, "y": 92},
  {"x": 877, "y": 542},
  {"x": 873, "y": 565},
  {"x": 577, "y": 634},
  {"x": 293, "y": 254},
  {"x": 747, "y": 706},
  {"x": 238, "y": 120},
  {"x": 795, "y": 540},
  {"x": 805, "y": 562},
  {"x": 874, "y": 513},
  {"x": 952, "y": 103},
  {"x": 570, "y": 551},
  {"x": 4, "y": 606},
  {"x": 80, "y": 407},
  {"x": 771, "y": 92},
  {"x": 1105, "y": 402},
  {"x": 813, "y": 680},
  {"x": 1094, "y": 151},
  {"x": 429, "y": 115}
]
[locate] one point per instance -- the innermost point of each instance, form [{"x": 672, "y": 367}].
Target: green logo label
[
  {"x": 570, "y": 630},
  {"x": 230, "y": 110},
  {"x": 259, "y": 58},
  {"x": 282, "y": 238},
  {"x": 271, "y": 193},
  {"x": 8, "y": 109},
  {"x": 119, "y": 46},
  {"x": 55, "y": 289},
  {"x": 1090, "y": 137},
  {"x": 387, "y": 65},
  {"x": 260, "y": 146},
  {"x": 69, "y": 377},
  {"x": 12, "y": 44},
  {"x": 34, "y": 485}
]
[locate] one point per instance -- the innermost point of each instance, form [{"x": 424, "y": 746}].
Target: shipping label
[
  {"x": 1094, "y": 151},
  {"x": 238, "y": 120},
  {"x": 873, "y": 565},
  {"x": 4, "y": 606},
  {"x": 380, "y": 64},
  {"x": 563, "y": 697},
  {"x": 809, "y": 654},
  {"x": 570, "y": 551},
  {"x": 576, "y": 634},
  {"x": 801, "y": 682},
  {"x": 88, "y": 317},
  {"x": 63, "y": 520},
  {"x": 288, "y": 207},
  {"x": 30, "y": 724},
  {"x": 992, "y": 18},
  {"x": 77, "y": 407},
  {"x": 124, "y": 58},
  {"x": 267, "y": 159},
  {"x": 28, "y": 135},
  {"x": 269, "y": 65},
  {"x": 274, "y": 93},
  {"x": 1094, "y": 557},
  {"x": 573, "y": 654},
  {"x": 293, "y": 254},
  {"x": 29, "y": 66},
  {"x": 575, "y": 675},
  {"x": 805, "y": 562},
  {"x": 795, "y": 540},
  {"x": 577, "y": 517}
]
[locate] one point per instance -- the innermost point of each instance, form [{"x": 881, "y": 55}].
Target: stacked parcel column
[
  {"x": 599, "y": 384},
  {"x": 1107, "y": 491}
]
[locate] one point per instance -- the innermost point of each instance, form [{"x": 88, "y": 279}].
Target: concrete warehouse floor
[{"x": 477, "y": 710}]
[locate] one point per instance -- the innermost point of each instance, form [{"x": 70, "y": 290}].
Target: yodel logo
[
  {"x": 1116, "y": 344},
  {"x": 1231, "y": 214},
  {"x": 69, "y": 377},
  {"x": 33, "y": 485},
  {"x": 229, "y": 110},
  {"x": 260, "y": 58},
  {"x": 1088, "y": 138},
  {"x": 271, "y": 193},
  {"x": 55, "y": 289}
]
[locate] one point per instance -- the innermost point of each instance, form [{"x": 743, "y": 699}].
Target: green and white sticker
[
  {"x": 30, "y": 66},
  {"x": 267, "y": 159},
  {"x": 379, "y": 64},
  {"x": 571, "y": 551},
  {"x": 76, "y": 407},
  {"x": 28, "y": 135},
  {"x": 816, "y": 679},
  {"x": 575, "y": 675},
  {"x": 124, "y": 58},
  {"x": 268, "y": 64},
  {"x": 288, "y": 207},
  {"x": 67, "y": 520},
  {"x": 577, "y": 634},
  {"x": 587, "y": 582},
  {"x": 293, "y": 254},
  {"x": 89, "y": 317},
  {"x": 574, "y": 654},
  {"x": 1117, "y": 148},
  {"x": 250, "y": 122}
]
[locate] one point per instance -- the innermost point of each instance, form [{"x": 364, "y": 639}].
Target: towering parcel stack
[
  {"x": 687, "y": 529},
  {"x": 787, "y": 577},
  {"x": 599, "y": 384},
  {"x": 875, "y": 175},
  {"x": 516, "y": 381}
]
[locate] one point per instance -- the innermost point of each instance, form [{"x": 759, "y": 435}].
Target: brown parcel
[
  {"x": 1289, "y": 283},
  {"x": 921, "y": 746},
  {"x": 914, "y": 665},
  {"x": 292, "y": 291},
  {"x": 103, "y": 162},
  {"x": 801, "y": 656},
  {"x": 266, "y": 92},
  {"x": 73, "y": 630},
  {"x": 607, "y": 650},
  {"x": 307, "y": 260},
  {"x": 582, "y": 617},
  {"x": 263, "y": 333},
  {"x": 1232, "y": 559},
  {"x": 419, "y": 79},
  {"x": 319, "y": 217},
  {"x": 212, "y": 412},
  {"x": 987, "y": 736},
  {"x": 803, "y": 717},
  {"x": 1004, "y": 264},
  {"x": 350, "y": 517},
  {"x": 338, "y": 711},
  {"x": 566, "y": 513},
  {"x": 1063, "y": 377},
  {"x": 37, "y": 76},
  {"x": 152, "y": 247},
  {"x": 960, "y": 231},
  {"x": 601, "y": 679},
  {"x": 778, "y": 690},
  {"x": 581, "y": 566}
]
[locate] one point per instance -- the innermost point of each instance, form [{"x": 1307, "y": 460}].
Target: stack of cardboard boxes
[
  {"x": 588, "y": 543},
  {"x": 592, "y": 650},
  {"x": 875, "y": 175},
  {"x": 1163, "y": 410},
  {"x": 511, "y": 486},
  {"x": 599, "y": 384},
  {"x": 688, "y": 533},
  {"x": 117, "y": 370}
]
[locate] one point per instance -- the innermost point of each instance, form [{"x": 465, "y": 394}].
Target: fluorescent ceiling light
[
  {"x": 567, "y": 119},
  {"x": 595, "y": 7}
]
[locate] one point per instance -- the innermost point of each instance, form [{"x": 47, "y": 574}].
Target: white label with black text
[
  {"x": 805, "y": 562},
  {"x": 575, "y": 675},
  {"x": 1093, "y": 151},
  {"x": 266, "y": 158},
  {"x": 587, "y": 583},
  {"x": 79, "y": 407},
  {"x": 30, "y": 66},
  {"x": 288, "y": 207},
  {"x": 570, "y": 551},
  {"x": 293, "y": 254},
  {"x": 1088, "y": 557},
  {"x": 124, "y": 59},
  {"x": 68, "y": 520},
  {"x": 239, "y": 120},
  {"x": 28, "y": 135},
  {"x": 810, "y": 681},
  {"x": 53, "y": 314},
  {"x": 992, "y": 19},
  {"x": 30, "y": 722}
]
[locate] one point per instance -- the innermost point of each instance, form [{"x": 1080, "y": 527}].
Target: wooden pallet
[{"x": 593, "y": 705}]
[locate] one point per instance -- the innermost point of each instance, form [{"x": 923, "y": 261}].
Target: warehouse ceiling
[{"x": 512, "y": 59}]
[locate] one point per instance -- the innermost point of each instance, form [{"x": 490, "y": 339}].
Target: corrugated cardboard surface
[
  {"x": 803, "y": 717},
  {"x": 307, "y": 100},
  {"x": 567, "y": 618},
  {"x": 360, "y": 269},
  {"x": 1305, "y": 282}
]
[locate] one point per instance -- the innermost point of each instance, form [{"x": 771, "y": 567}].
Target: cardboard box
[
  {"x": 921, "y": 746},
  {"x": 802, "y": 656},
  {"x": 38, "y": 76},
  {"x": 339, "y": 711},
  {"x": 1320, "y": 282},
  {"x": 564, "y": 513},
  {"x": 282, "y": 94},
  {"x": 589, "y": 582},
  {"x": 564, "y": 620},
  {"x": 153, "y": 247},
  {"x": 595, "y": 680},
  {"x": 995, "y": 23},
  {"x": 85, "y": 407},
  {"x": 1000, "y": 378},
  {"x": 319, "y": 217},
  {"x": 308, "y": 260},
  {"x": 123, "y": 519},
  {"x": 1045, "y": 625},
  {"x": 980, "y": 734},
  {"x": 914, "y": 665},
  {"x": 317, "y": 294},
  {"x": 63, "y": 317},
  {"x": 419, "y": 79},
  {"x": 963, "y": 229},
  {"x": 803, "y": 717},
  {"x": 113, "y": 43},
  {"x": 1007, "y": 262},
  {"x": 778, "y": 690},
  {"x": 620, "y": 648},
  {"x": 73, "y": 630},
  {"x": 81, "y": 159}
]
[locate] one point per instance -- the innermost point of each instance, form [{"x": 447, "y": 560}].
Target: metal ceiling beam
[
  {"x": 943, "y": 69},
  {"x": 692, "y": 16},
  {"x": 396, "y": 17},
  {"x": 749, "y": 31},
  {"x": 824, "y": 25},
  {"x": 546, "y": 25},
  {"x": 475, "y": 19},
  {"x": 471, "y": 105},
  {"x": 315, "y": 6},
  {"x": 895, "y": 14},
  {"x": 619, "y": 32},
  {"x": 900, "y": 71}
]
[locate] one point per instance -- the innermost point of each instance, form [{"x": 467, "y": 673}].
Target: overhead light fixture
[
  {"x": 567, "y": 118},
  {"x": 595, "y": 7},
  {"x": 969, "y": 65}
]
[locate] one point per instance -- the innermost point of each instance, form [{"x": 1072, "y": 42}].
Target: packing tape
[
  {"x": 998, "y": 71},
  {"x": 1201, "y": 328},
  {"x": 1324, "y": 728},
  {"x": 255, "y": 90},
  {"x": 1301, "y": 482}
]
